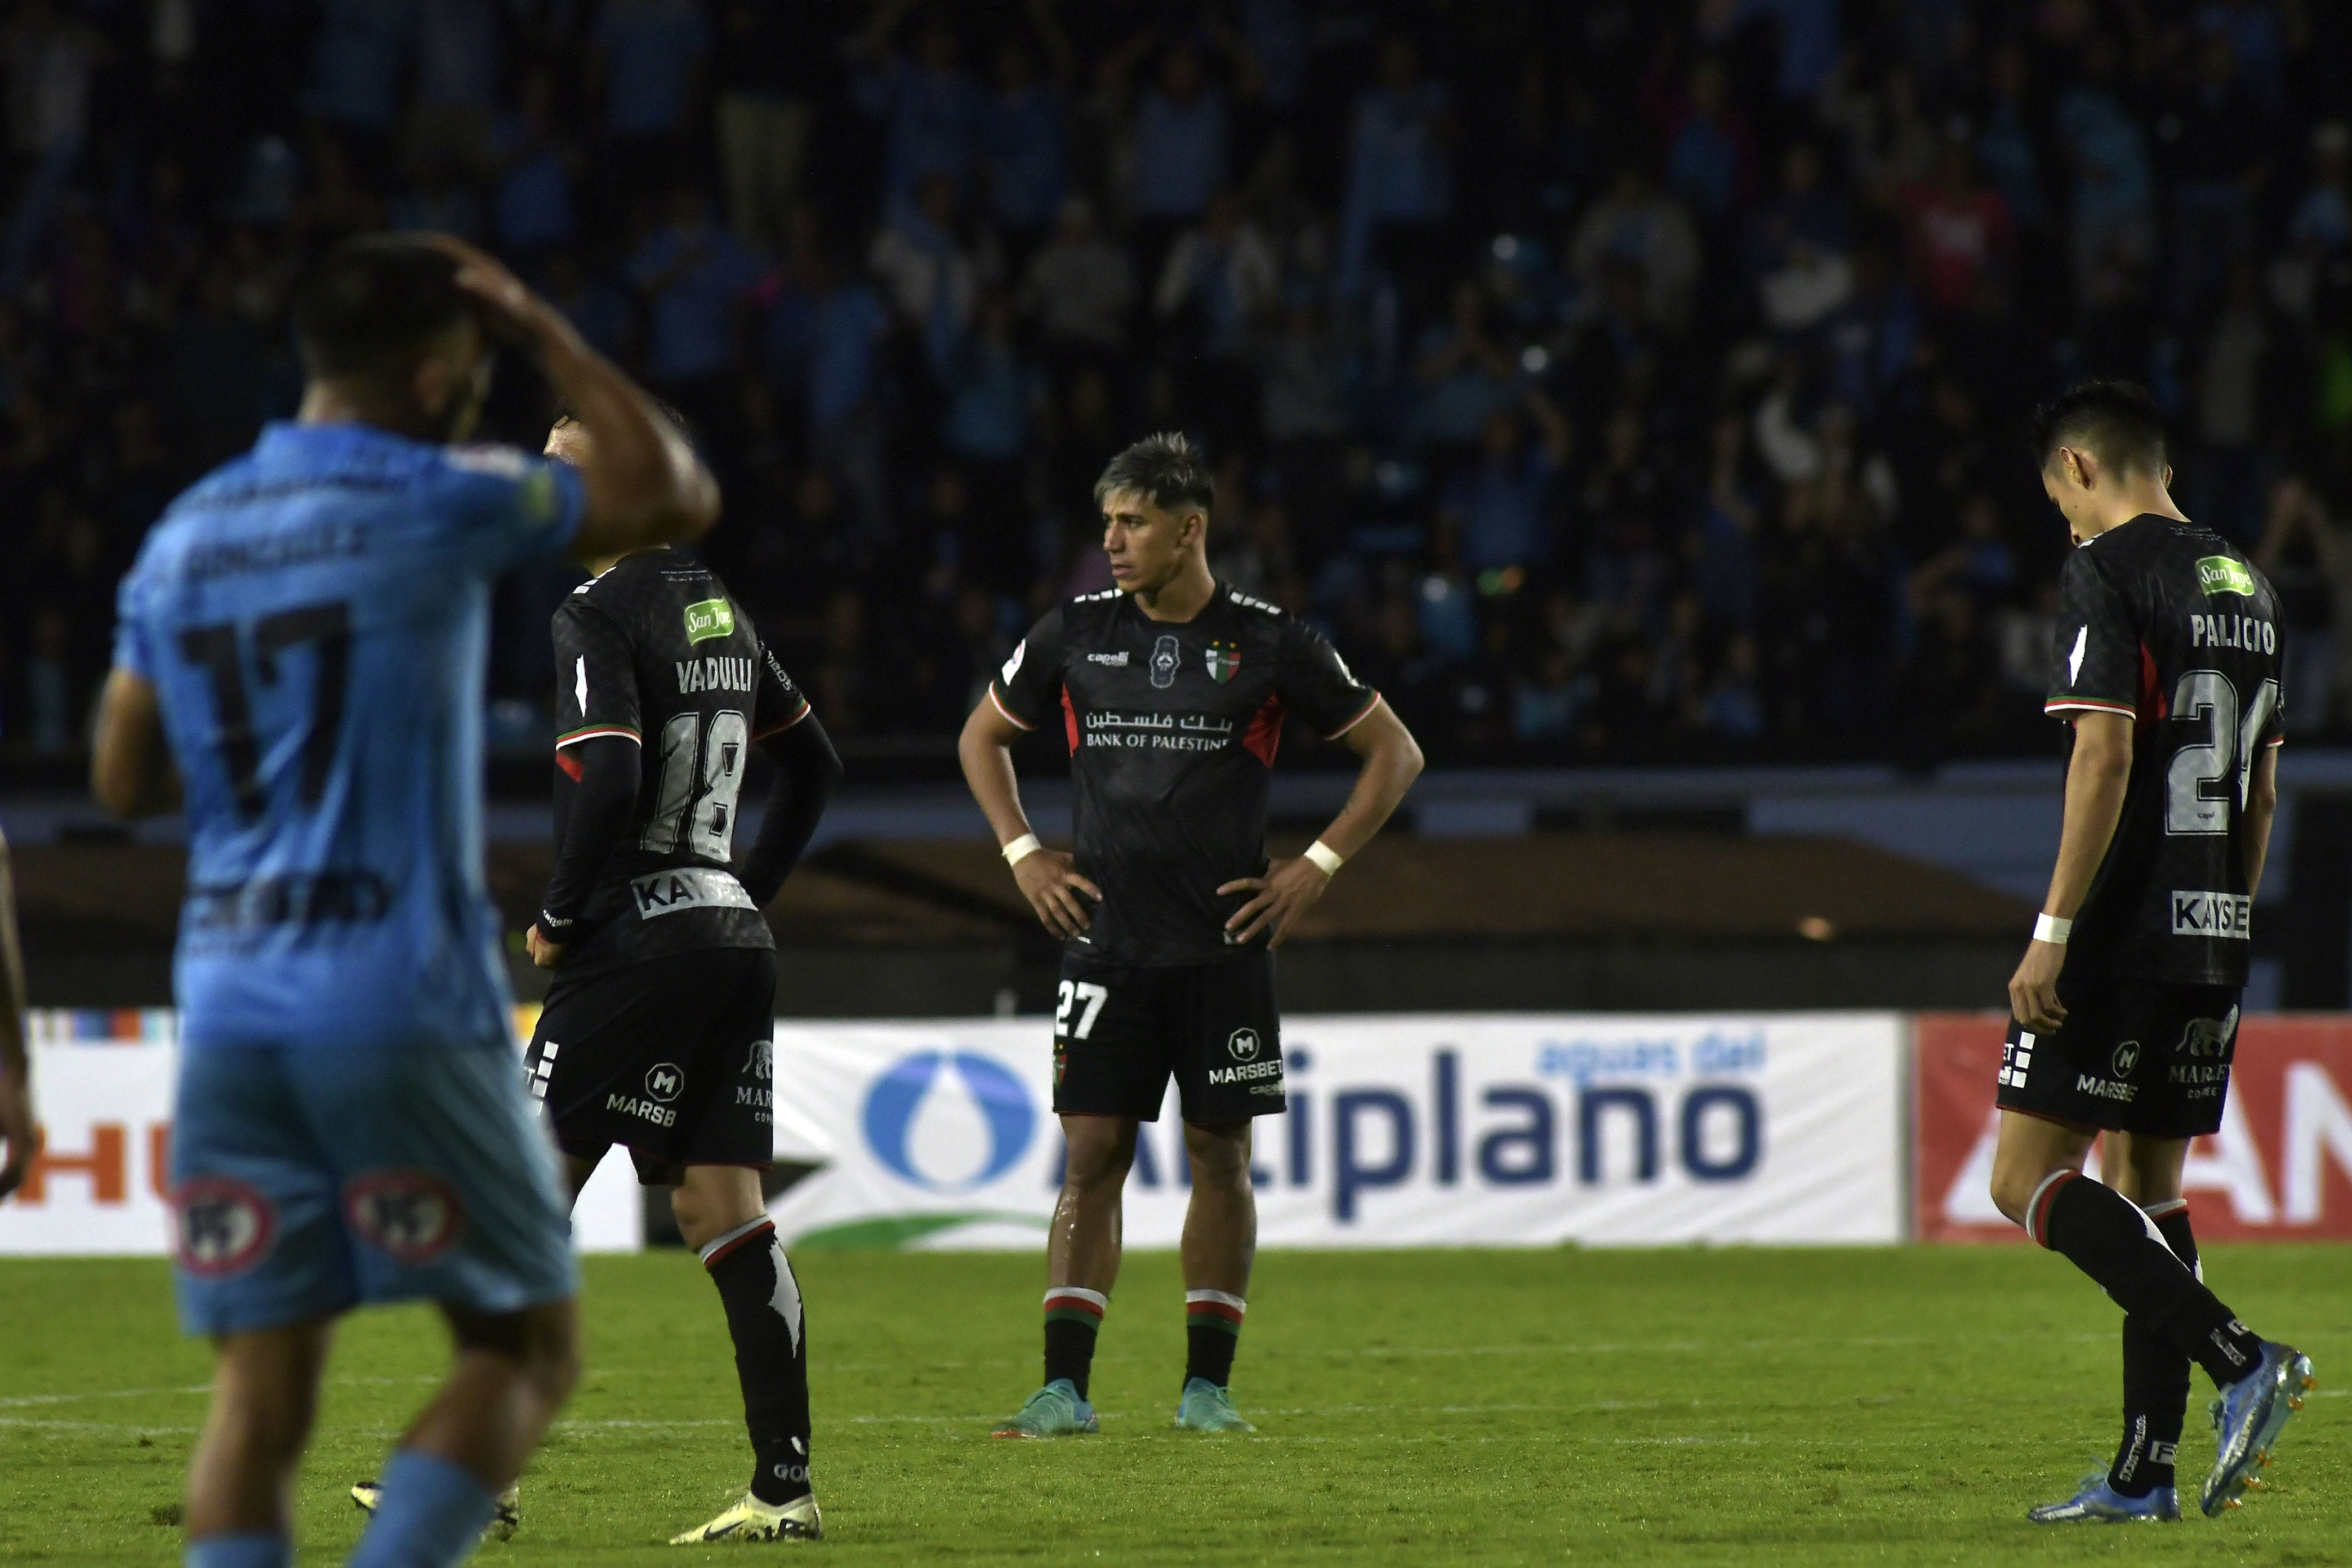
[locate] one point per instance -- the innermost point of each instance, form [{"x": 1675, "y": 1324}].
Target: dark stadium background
[{"x": 1633, "y": 391}]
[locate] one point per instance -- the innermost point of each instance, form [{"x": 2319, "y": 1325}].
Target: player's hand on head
[
  {"x": 2034, "y": 989},
  {"x": 510, "y": 311},
  {"x": 1050, "y": 881},
  {"x": 15, "y": 1128},
  {"x": 1288, "y": 890}
]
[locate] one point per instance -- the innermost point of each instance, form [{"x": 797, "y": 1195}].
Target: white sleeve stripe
[
  {"x": 597, "y": 731},
  {"x": 1358, "y": 718},
  {"x": 2058, "y": 704},
  {"x": 1001, "y": 708}
]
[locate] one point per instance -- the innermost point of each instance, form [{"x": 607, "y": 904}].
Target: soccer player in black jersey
[
  {"x": 1172, "y": 690},
  {"x": 2125, "y": 1006},
  {"x": 658, "y": 1030}
]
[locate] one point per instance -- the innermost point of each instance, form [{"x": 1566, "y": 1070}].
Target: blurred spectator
[
  {"x": 1640, "y": 225},
  {"x": 648, "y": 60},
  {"x": 696, "y": 282},
  {"x": 1021, "y": 149},
  {"x": 534, "y": 211},
  {"x": 1497, "y": 505},
  {"x": 2308, "y": 560},
  {"x": 1080, "y": 286},
  {"x": 768, "y": 69},
  {"x": 1181, "y": 131},
  {"x": 2108, "y": 155},
  {"x": 930, "y": 108},
  {"x": 1400, "y": 194}
]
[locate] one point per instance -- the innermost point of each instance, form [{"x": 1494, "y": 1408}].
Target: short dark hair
[
  {"x": 372, "y": 306},
  {"x": 2116, "y": 422},
  {"x": 1166, "y": 470}
]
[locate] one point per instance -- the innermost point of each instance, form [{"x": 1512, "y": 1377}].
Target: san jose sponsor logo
[
  {"x": 2229, "y": 915},
  {"x": 710, "y": 618},
  {"x": 2224, "y": 574}
]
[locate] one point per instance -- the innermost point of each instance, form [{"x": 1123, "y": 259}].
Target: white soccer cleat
[
  {"x": 751, "y": 1520},
  {"x": 502, "y": 1525}
]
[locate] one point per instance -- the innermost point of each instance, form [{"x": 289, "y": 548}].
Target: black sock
[
  {"x": 2103, "y": 1234},
  {"x": 1212, "y": 1329},
  {"x": 1072, "y": 1317},
  {"x": 764, "y": 1319},
  {"x": 2156, "y": 1381}
]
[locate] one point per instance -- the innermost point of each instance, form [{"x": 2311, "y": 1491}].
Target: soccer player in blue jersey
[{"x": 300, "y": 649}]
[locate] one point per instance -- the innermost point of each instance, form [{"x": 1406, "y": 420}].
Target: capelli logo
[{"x": 1112, "y": 660}]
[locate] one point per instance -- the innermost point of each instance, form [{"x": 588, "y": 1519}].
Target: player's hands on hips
[
  {"x": 1050, "y": 881},
  {"x": 1288, "y": 890},
  {"x": 2034, "y": 989},
  {"x": 16, "y": 1127},
  {"x": 545, "y": 953}
]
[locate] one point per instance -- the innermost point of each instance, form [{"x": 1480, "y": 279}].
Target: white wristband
[
  {"x": 2052, "y": 929},
  {"x": 1324, "y": 857},
  {"x": 1021, "y": 848}
]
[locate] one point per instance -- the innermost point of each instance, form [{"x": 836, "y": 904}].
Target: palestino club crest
[
  {"x": 1224, "y": 659},
  {"x": 413, "y": 1214}
]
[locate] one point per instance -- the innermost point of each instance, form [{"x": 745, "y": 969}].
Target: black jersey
[
  {"x": 654, "y": 650},
  {"x": 1172, "y": 732},
  {"x": 2168, "y": 624}
]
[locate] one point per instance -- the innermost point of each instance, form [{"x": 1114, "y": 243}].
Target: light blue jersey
[{"x": 313, "y": 616}]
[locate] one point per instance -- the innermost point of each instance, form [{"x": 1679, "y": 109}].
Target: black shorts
[
  {"x": 2132, "y": 1056},
  {"x": 673, "y": 1057},
  {"x": 1120, "y": 1029}
]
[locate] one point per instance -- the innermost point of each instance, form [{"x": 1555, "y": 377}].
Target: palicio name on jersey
[
  {"x": 2250, "y": 633},
  {"x": 714, "y": 674}
]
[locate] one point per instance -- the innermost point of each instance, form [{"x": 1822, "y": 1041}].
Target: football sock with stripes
[
  {"x": 246, "y": 1549},
  {"x": 1213, "y": 1327},
  {"x": 763, "y": 1318},
  {"x": 432, "y": 1515},
  {"x": 1072, "y": 1317},
  {"x": 2156, "y": 1379},
  {"x": 2105, "y": 1235}
]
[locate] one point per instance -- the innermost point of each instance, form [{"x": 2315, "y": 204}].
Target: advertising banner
[
  {"x": 101, "y": 1182},
  {"x": 2280, "y": 1169},
  {"x": 1488, "y": 1129}
]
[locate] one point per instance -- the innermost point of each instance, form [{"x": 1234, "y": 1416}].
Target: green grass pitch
[{"x": 1682, "y": 1406}]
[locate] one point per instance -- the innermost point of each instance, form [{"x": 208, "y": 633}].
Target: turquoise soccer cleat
[
  {"x": 1206, "y": 1408},
  {"x": 1054, "y": 1411},
  {"x": 2099, "y": 1503},
  {"x": 2249, "y": 1416}
]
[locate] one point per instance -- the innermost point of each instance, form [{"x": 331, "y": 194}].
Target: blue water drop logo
[{"x": 898, "y": 1097}]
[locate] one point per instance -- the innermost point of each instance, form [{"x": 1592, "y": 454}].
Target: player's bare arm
[
  {"x": 16, "y": 1064},
  {"x": 131, "y": 770},
  {"x": 2262, "y": 809},
  {"x": 1047, "y": 877},
  {"x": 2095, "y": 780},
  {"x": 1391, "y": 761},
  {"x": 644, "y": 485}
]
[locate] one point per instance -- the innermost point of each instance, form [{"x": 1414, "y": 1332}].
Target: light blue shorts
[{"x": 308, "y": 1180}]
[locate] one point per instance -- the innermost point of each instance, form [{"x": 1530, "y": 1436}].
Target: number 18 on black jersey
[{"x": 2169, "y": 625}]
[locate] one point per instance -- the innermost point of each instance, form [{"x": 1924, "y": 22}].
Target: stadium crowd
[{"x": 1613, "y": 380}]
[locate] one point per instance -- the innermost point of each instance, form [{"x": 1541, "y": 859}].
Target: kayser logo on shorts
[{"x": 2212, "y": 914}]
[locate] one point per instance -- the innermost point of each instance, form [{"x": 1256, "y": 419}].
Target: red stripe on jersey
[
  {"x": 1264, "y": 737},
  {"x": 1070, "y": 721},
  {"x": 2152, "y": 705},
  {"x": 569, "y": 764}
]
